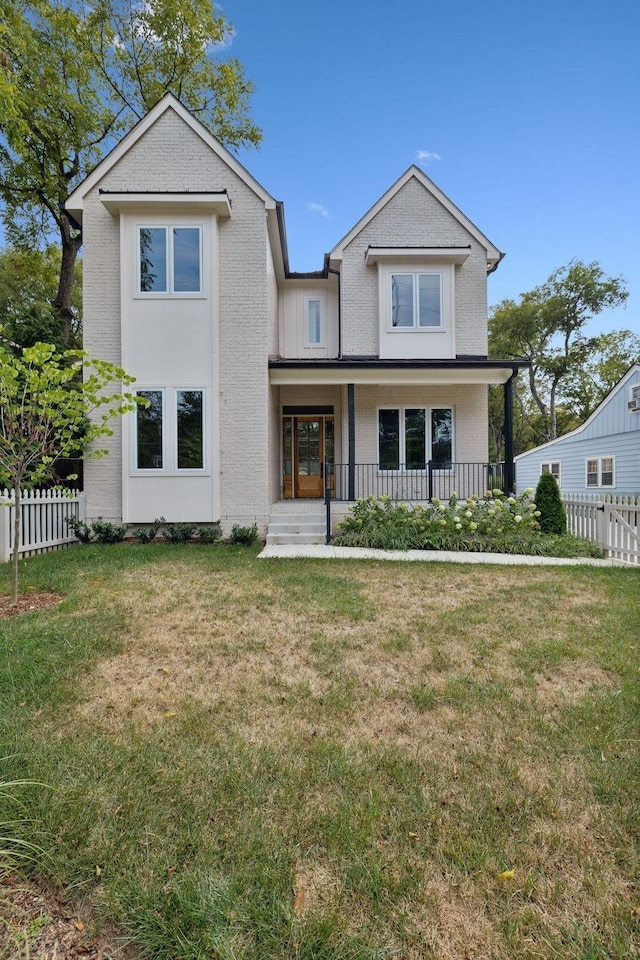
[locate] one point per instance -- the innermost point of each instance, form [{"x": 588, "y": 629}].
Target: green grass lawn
[{"x": 250, "y": 759}]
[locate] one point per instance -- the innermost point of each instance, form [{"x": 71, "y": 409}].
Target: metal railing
[{"x": 351, "y": 481}]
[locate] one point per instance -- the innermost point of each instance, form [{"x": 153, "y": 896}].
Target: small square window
[{"x": 600, "y": 472}]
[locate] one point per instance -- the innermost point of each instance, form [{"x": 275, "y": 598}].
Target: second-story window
[
  {"x": 313, "y": 323},
  {"x": 169, "y": 260},
  {"x": 416, "y": 301}
]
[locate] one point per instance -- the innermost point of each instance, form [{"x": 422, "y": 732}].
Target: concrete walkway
[{"x": 329, "y": 552}]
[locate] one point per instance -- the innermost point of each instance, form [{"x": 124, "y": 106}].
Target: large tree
[
  {"x": 28, "y": 283},
  {"x": 75, "y": 75},
  {"x": 548, "y": 325}
]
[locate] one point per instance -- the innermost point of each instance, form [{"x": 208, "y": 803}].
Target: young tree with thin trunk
[{"x": 48, "y": 413}]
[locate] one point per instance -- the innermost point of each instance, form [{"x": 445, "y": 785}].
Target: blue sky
[{"x": 526, "y": 114}]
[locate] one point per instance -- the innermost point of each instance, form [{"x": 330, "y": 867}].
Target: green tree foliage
[
  {"x": 548, "y": 326},
  {"x": 28, "y": 285},
  {"x": 45, "y": 408},
  {"x": 553, "y": 517},
  {"x": 75, "y": 76}
]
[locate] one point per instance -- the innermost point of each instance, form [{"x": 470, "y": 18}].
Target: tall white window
[
  {"x": 169, "y": 435},
  {"x": 416, "y": 301},
  {"x": 313, "y": 323},
  {"x": 169, "y": 259}
]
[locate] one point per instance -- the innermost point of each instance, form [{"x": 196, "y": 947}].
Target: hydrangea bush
[{"x": 497, "y": 522}]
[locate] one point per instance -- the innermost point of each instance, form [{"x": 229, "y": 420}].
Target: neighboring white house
[
  {"x": 256, "y": 375},
  {"x": 602, "y": 456}
]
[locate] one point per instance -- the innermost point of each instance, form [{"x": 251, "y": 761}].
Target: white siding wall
[{"x": 294, "y": 296}]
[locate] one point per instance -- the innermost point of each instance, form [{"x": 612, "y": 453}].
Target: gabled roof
[
  {"x": 75, "y": 202},
  {"x": 633, "y": 369},
  {"x": 494, "y": 256}
]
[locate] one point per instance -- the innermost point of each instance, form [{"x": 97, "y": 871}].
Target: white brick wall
[
  {"x": 170, "y": 156},
  {"x": 413, "y": 217}
]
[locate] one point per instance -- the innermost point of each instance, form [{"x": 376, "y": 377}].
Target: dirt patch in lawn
[
  {"x": 27, "y": 603},
  {"x": 37, "y": 924}
]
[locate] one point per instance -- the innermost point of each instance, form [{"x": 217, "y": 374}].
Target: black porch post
[
  {"x": 352, "y": 440},
  {"x": 509, "y": 466}
]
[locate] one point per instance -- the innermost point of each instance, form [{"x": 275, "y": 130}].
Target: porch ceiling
[{"x": 383, "y": 372}]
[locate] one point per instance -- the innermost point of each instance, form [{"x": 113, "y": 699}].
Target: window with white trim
[
  {"x": 552, "y": 467},
  {"x": 169, "y": 260},
  {"x": 408, "y": 437},
  {"x": 634, "y": 398},
  {"x": 415, "y": 300},
  {"x": 170, "y": 437},
  {"x": 313, "y": 322},
  {"x": 600, "y": 471}
]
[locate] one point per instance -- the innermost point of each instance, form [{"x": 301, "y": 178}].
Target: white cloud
[
  {"x": 425, "y": 156},
  {"x": 318, "y": 208}
]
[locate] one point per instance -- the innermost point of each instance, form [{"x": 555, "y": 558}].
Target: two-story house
[{"x": 263, "y": 385}]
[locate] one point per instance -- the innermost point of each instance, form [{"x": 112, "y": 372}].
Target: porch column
[
  {"x": 351, "y": 407},
  {"x": 509, "y": 466}
]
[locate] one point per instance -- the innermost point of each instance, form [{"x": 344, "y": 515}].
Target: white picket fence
[
  {"x": 44, "y": 525},
  {"x": 612, "y": 521}
]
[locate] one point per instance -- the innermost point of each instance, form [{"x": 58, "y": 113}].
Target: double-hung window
[
  {"x": 169, "y": 434},
  {"x": 410, "y": 437},
  {"x": 170, "y": 260},
  {"x": 600, "y": 471},
  {"x": 552, "y": 467},
  {"x": 416, "y": 301}
]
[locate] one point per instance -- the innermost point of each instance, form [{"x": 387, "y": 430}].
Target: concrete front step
[{"x": 297, "y": 528}]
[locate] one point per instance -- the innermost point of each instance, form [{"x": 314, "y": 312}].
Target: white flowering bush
[{"x": 495, "y": 523}]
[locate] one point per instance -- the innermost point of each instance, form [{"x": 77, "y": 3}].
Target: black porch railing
[{"x": 351, "y": 481}]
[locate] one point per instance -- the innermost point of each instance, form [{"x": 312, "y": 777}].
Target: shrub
[
  {"x": 81, "y": 529},
  {"x": 553, "y": 517},
  {"x": 246, "y": 536},
  {"x": 148, "y": 534},
  {"x": 106, "y": 532},
  {"x": 179, "y": 532},
  {"x": 210, "y": 534},
  {"x": 100, "y": 530}
]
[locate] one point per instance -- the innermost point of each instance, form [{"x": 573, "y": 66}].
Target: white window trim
[
  {"x": 634, "y": 398},
  {"x": 169, "y": 292},
  {"x": 600, "y": 484},
  {"x": 415, "y": 273},
  {"x": 321, "y": 343},
  {"x": 170, "y": 435},
  {"x": 403, "y": 469},
  {"x": 550, "y": 464}
]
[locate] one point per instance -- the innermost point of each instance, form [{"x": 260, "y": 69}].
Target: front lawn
[{"x": 258, "y": 760}]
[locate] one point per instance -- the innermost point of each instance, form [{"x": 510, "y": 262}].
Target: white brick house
[{"x": 257, "y": 377}]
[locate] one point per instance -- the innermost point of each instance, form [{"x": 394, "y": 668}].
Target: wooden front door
[{"x": 307, "y": 441}]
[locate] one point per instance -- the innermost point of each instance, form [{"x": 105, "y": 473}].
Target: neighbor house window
[
  {"x": 174, "y": 425},
  {"x": 416, "y": 301},
  {"x": 634, "y": 398},
  {"x": 169, "y": 260},
  {"x": 408, "y": 437},
  {"x": 314, "y": 323},
  {"x": 552, "y": 467},
  {"x": 600, "y": 471}
]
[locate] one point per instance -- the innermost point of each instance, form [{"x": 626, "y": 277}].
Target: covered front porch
[{"x": 410, "y": 430}]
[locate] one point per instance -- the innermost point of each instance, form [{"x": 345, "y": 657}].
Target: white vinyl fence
[
  {"x": 611, "y": 521},
  {"x": 44, "y": 525}
]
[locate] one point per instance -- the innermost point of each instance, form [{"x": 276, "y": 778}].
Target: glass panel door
[{"x": 309, "y": 453}]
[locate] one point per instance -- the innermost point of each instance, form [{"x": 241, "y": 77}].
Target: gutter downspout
[{"x": 338, "y": 275}]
